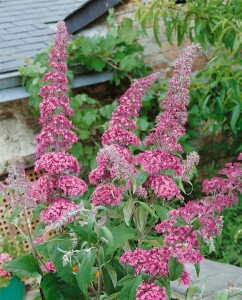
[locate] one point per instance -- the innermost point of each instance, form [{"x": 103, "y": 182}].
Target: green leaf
[
  {"x": 114, "y": 213},
  {"x": 130, "y": 62},
  {"x": 109, "y": 240},
  {"x": 143, "y": 123},
  {"x": 77, "y": 150},
  {"x": 127, "y": 33},
  {"x": 15, "y": 213},
  {"x": 122, "y": 233},
  {"x": 112, "y": 274},
  {"x": 169, "y": 31},
  {"x": 90, "y": 116},
  {"x": 179, "y": 36},
  {"x": 24, "y": 266},
  {"x": 193, "y": 292},
  {"x": 140, "y": 217},
  {"x": 175, "y": 268},
  {"x": 114, "y": 296},
  {"x": 179, "y": 183},
  {"x": 1, "y": 197},
  {"x": 143, "y": 21},
  {"x": 54, "y": 288},
  {"x": 128, "y": 211},
  {"x": 141, "y": 178},
  {"x": 125, "y": 279},
  {"x": 180, "y": 222},
  {"x": 38, "y": 210},
  {"x": 84, "y": 233},
  {"x": 147, "y": 208},
  {"x": 197, "y": 268},
  {"x": 84, "y": 275},
  {"x": 235, "y": 116},
  {"x": 222, "y": 295},
  {"x": 128, "y": 292},
  {"x": 156, "y": 28},
  {"x": 161, "y": 211},
  {"x": 55, "y": 248},
  {"x": 164, "y": 283},
  {"x": 107, "y": 110}
]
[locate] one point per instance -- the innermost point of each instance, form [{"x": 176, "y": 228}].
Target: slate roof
[{"x": 25, "y": 28}]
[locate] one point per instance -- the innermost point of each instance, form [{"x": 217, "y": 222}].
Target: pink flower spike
[{"x": 60, "y": 180}]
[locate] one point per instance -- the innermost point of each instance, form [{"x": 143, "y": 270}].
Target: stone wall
[
  {"x": 162, "y": 59},
  {"x": 16, "y": 134}
]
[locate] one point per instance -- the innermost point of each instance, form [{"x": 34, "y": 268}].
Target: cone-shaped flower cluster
[
  {"x": 57, "y": 136},
  {"x": 169, "y": 128},
  {"x": 115, "y": 160}
]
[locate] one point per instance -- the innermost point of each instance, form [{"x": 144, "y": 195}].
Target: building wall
[
  {"x": 160, "y": 58},
  {"x": 16, "y": 134}
]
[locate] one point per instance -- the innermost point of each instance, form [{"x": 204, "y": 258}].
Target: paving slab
[{"x": 214, "y": 277}]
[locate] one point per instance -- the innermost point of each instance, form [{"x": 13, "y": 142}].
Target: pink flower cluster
[
  {"x": 50, "y": 267},
  {"x": 164, "y": 187},
  {"x": 150, "y": 291},
  {"x": 57, "y": 136},
  {"x": 107, "y": 194},
  {"x": 156, "y": 162},
  {"x": 220, "y": 193},
  {"x": 161, "y": 163},
  {"x": 4, "y": 257},
  {"x": 115, "y": 162},
  {"x": 154, "y": 262},
  {"x": 59, "y": 211},
  {"x": 182, "y": 242},
  {"x": 39, "y": 240}
]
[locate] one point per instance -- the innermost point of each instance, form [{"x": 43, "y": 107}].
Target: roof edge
[{"x": 20, "y": 93}]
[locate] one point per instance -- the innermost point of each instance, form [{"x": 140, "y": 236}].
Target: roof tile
[
  {"x": 29, "y": 47},
  {"x": 23, "y": 28},
  {"x": 17, "y": 29}
]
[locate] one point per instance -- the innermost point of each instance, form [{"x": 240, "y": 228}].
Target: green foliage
[
  {"x": 55, "y": 288},
  {"x": 89, "y": 121},
  {"x": 216, "y": 102},
  {"x": 84, "y": 274},
  {"x": 175, "y": 268},
  {"x": 207, "y": 22},
  {"x": 129, "y": 289},
  {"x": 13, "y": 246},
  {"x": 215, "y": 98},
  {"x": 24, "y": 266},
  {"x": 228, "y": 245},
  {"x": 55, "y": 255}
]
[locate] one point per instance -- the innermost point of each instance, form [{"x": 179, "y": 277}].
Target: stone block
[
  {"x": 16, "y": 136},
  {"x": 214, "y": 277}
]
